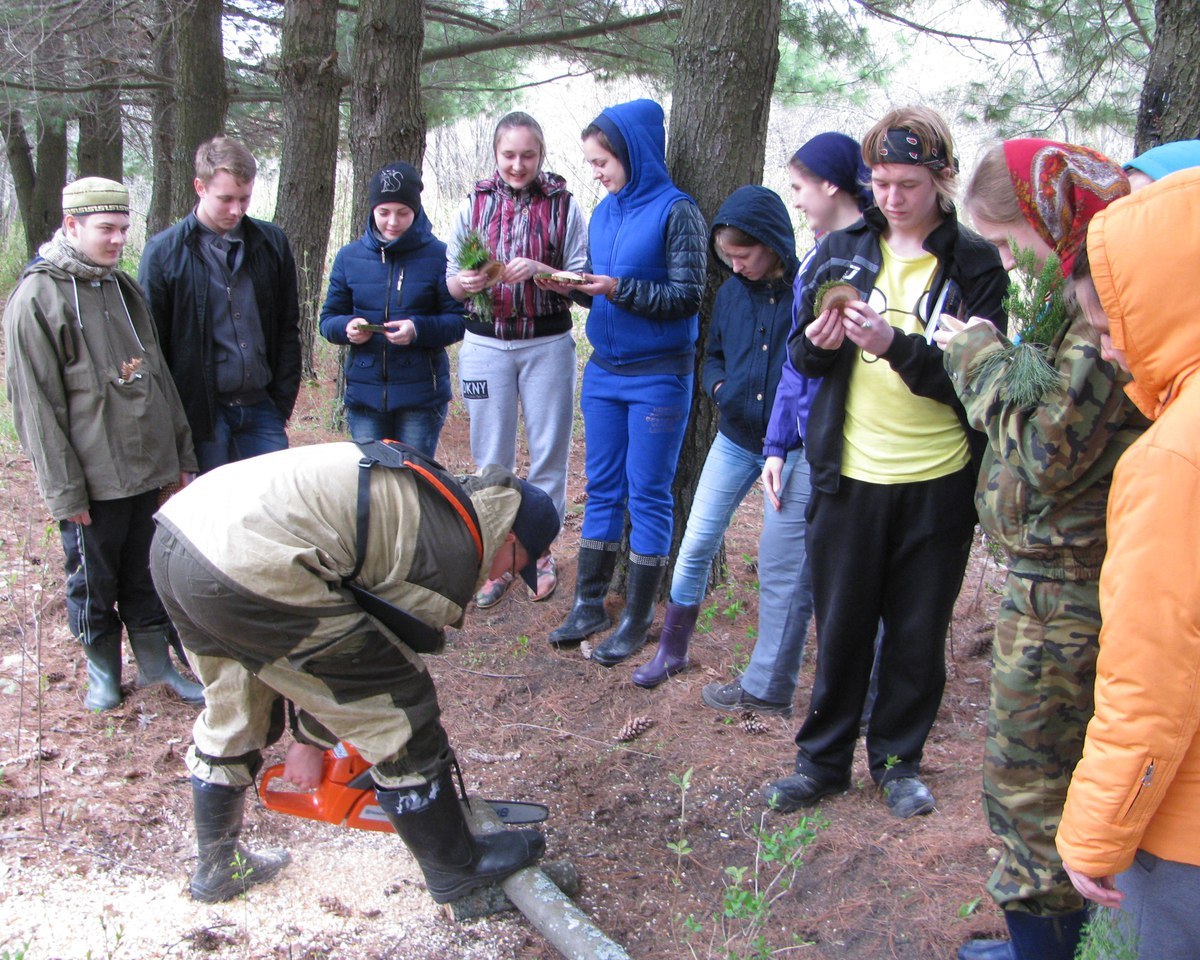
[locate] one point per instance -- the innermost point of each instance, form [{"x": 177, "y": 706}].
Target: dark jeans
[
  {"x": 419, "y": 427},
  {"x": 108, "y": 568},
  {"x": 241, "y": 432},
  {"x": 896, "y": 553}
]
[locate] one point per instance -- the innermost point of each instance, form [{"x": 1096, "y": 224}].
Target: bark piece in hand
[{"x": 834, "y": 295}]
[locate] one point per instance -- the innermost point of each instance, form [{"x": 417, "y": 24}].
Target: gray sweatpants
[
  {"x": 1158, "y": 916},
  {"x": 540, "y": 373}
]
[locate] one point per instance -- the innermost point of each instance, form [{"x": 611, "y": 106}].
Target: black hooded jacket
[
  {"x": 747, "y": 340},
  {"x": 974, "y": 282}
]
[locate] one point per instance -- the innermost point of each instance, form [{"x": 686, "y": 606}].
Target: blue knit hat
[
  {"x": 838, "y": 158},
  {"x": 1167, "y": 158}
]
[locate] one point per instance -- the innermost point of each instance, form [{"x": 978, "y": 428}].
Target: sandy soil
[{"x": 96, "y": 842}]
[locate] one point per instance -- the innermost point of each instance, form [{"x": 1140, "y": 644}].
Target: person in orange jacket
[{"x": 1128, "y": 832}]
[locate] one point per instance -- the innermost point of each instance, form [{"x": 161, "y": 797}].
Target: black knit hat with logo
[{"x": 398, "y": 182}]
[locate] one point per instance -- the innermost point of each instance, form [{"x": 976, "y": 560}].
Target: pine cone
[
  {"x": 635, "y": 728},
  {"x": 753, "y": 723},
  {"x": 130, "y": 368}
]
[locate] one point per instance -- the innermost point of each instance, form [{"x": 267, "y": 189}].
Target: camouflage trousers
[
  {"x": 1043, "y": 674},
  {"x": 346, "y": 679}
]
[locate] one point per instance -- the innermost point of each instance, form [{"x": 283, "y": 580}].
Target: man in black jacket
[{"x": 222, "y": 289}]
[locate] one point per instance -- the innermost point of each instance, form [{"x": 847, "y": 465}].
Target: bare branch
[
  {"x": 882, "y": 14},
  {"x": 552, "y": 37},
  {"x": 1137, "y": 22}
]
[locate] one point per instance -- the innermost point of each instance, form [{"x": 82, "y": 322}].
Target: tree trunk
[
  {"x": 162, "y": 121},
  {"x": 201, "y": 95},
  {"x": 386, "y": 119},
  {"x": 310, "y": 83},
  {"x": 101, "y": 146},
  {"x": 39, "y": 170},
  {"x": 1170, "y": 107},
  {"x": 726, "y": 58}
]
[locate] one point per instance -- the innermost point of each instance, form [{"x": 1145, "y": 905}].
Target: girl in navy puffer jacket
[{"x": 394, "y": 277}]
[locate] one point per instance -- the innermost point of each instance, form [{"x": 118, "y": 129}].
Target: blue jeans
[
  {"x": 419, "y": 427},
  {"x": 785, "y": 601},
  {"x": 728, "y": 474},
  {"x": 241, "y": 432},
  {"x": 633, "y": 430}
]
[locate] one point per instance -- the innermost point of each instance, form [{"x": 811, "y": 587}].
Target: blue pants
[
  {"x": 785, "y": 587},
  {"x": 419, "y": 427},
  {"x": 729, "y": 473},
  {"x": 633, "y": 429},
  {"x": 241, "y": 432}
]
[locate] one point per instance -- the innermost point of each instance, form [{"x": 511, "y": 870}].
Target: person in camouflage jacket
[{"x": 1042, "y": 496}]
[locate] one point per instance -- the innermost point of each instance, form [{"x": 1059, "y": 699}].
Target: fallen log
[
  {"x": 492, "y": 899},
  {"x": 569, "y": 930}
]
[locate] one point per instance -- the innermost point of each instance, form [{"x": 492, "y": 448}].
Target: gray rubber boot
[
  {"x": 152, "y": 650},
  {"x": 103, "y": 672},
  {"x": 224, "y": 868}
]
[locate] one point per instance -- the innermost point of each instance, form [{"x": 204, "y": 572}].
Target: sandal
[
  {"x": 492, "y": 592},
  {"x": 547, "y": 577}
]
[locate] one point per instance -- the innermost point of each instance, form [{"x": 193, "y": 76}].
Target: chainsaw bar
[{"x": 518, "y": 811}]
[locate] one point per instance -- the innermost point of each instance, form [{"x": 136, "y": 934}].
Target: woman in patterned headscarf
[{"x": 1042, "y": 496}]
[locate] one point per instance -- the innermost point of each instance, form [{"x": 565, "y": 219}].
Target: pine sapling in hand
[
  {"x": 1037, "y": 314},
  {"x": 474, "y": 255}
]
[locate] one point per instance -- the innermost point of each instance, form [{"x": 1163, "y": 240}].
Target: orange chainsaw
[{"x": 346, "y": 795}]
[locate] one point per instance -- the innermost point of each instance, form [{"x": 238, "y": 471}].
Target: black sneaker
[
  {"x": 908, "y": 797},
  {"x": 799, "y": 790},
  {"x": 731, "y": 696}
]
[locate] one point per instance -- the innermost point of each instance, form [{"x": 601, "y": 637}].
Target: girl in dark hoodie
[
  {"x": 394, "y": 276},
  {"x": 747, "y": 341}
]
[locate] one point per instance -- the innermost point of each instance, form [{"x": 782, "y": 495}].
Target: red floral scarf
[{"x": 1060, "y": 187}]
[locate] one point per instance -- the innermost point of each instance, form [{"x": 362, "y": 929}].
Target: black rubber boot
[
  {"x": 103, "y": 672},
  {"x": 597, "y": 560},
  {"x": 152, "y": 650},
  {"x": 1045, "y": 938},
  {"x": 224, "y": 868},
  {"x": 641, "y": 594},
  {"x": 672, "y": 655},
  {"x": 432, "y": 825}
]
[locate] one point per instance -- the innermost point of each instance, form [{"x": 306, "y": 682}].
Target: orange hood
[{"x": 1143, "y": 249}]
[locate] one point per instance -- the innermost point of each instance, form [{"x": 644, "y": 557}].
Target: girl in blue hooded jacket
[
  {"x": 647, "y": 241},
  {"x": 394, "y": 277}
]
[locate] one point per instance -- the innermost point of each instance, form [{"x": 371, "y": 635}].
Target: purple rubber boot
[{"x": 672, "y": 655}]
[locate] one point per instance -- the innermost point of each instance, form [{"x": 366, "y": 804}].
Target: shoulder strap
[{"x": 396, "y": 455}]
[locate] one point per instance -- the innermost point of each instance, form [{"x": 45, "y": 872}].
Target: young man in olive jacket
[
  {"x": 222, "y": 289},
  {"x": 99, "y": 417}
]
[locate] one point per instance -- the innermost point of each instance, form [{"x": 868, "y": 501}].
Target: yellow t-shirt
[{"x": 891, "y": 434}]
